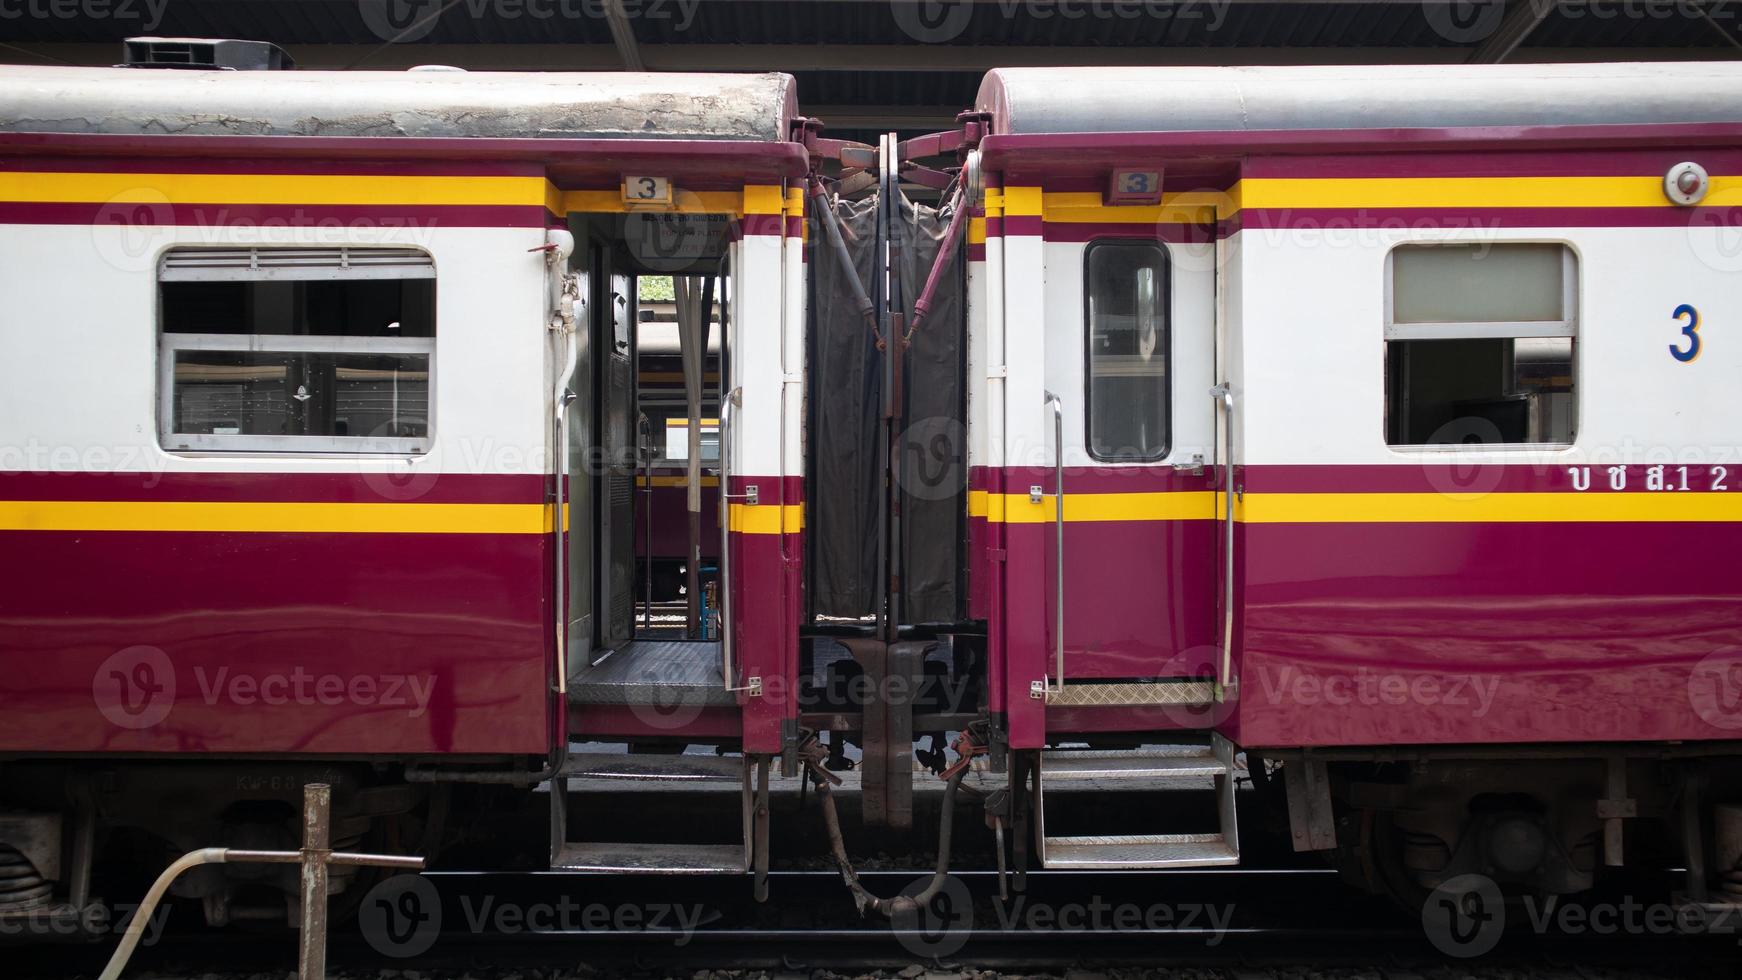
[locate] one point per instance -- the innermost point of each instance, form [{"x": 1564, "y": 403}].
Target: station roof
[{"x": 871, "y": 65}]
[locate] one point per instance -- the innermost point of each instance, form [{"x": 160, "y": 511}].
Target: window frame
[
  {"x": 1088, "y": 333},
  {"x": 1568, "y": 326},
  {"x": 169, "y": 343}
]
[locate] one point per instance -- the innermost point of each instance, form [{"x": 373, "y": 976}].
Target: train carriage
[
  {"x": 1444, "y": 339},
  {"x": 1359, "y": 436},
  {"x": 349, "y": 479}
]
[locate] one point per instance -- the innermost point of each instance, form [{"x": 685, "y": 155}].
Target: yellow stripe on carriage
[
  {"x": 1694, "y": 507},
  {"x": 766, "y": 518},
  {"x": 312, "y": 189},
  {"x": 1368, "y": 508},
  {"x": 261, "y": 516},
  {"x": 1460, "y": 192},
  {"x": 1185, "y": 505}
]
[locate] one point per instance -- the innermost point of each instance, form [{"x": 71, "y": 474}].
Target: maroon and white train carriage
[
  {"x": 342, "y": 345},
  {"x": 1373, "y": 421}
]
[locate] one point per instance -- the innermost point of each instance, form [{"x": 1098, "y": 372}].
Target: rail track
[{"x": 1248, "y": 923}]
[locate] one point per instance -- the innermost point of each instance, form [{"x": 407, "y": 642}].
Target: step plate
[
  {"x": 1062, "y": 766},
  {"x": 1184, "y": 693},
  {"x": 649, "y": 859},
  {"x": 1140, "y": 851}
]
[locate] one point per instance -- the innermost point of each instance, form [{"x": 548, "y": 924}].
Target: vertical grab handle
[
  {"x": 728, "y": 658},
  {"x": 1045, "y": 686},
  {"x": 1224, "y": 393},
  {"x": 728, "y": 666}
]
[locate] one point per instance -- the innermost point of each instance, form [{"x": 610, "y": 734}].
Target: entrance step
[
  {"x": 651, "y": 859},
  {"x": 683, "y": 856},
  {"x": 1141, "y": 851},
  {"x": 1138, "y": 770}
]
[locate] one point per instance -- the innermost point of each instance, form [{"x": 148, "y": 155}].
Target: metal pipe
[
  {"x": 317, "y": 801},
  {"x": 644, "y": 456},
  {"x": 946, "y": 254},
  {"x": 1224, "y": 393},
  {"x": 317, "y": 810},
  {"x": 728, "y": 665},
  {"x": 148, "y": 906},
  {"x": 1058, "y": 496},
  {"x": 838, "y": 245},
  {"x": 900, "y": 904}
]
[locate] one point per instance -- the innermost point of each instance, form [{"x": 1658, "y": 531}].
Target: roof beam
[
  {"x": 835, "y": 57},
  {"x": 623, "y": 36},
  {"x": 1521, "y": 18}
]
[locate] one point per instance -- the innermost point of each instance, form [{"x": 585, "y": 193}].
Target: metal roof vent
[{"x": 205, "y": 53}]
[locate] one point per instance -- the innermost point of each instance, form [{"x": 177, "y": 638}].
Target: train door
[
  {"x": 580, "y": 558},
  {"x": 1130, "y": 363},
  {"x": 618, "y": 447}
]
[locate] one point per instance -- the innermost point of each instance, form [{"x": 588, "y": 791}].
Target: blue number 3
[{"x": 1690, "y": 330}]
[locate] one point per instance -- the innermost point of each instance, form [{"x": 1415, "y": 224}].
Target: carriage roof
[
  {"x": 418, "y": 104},
  {"x": 1136, "y": 100}
]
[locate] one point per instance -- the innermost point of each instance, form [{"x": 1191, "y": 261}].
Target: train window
[
  {"x": 1479, "y": 345},
  {"x": 296, "y": 349},
  {"x": 1128, "y": 344}
]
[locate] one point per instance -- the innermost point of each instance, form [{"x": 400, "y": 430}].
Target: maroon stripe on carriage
[
  {"x": 145, "y": 214},
  {"x": 277, "y": 487}
]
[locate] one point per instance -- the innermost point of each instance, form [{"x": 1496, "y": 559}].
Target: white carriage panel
[
  {"x": 793, "y": 356},
  {"x": 1027, "y": 421},
  {"x": 754, "y": 354},
  {"x": 1312, "y": 326},
  {"x": 1636, "y": 403},
  {"x": 976, "y": 364},
  {"x": 82, "y": 376},
  {"x": 1307, "y": 362},
  {"x": 1229, "y": 346},
  {"x": 1190, "y": 367},
  {"x": 990, "y": 415}
]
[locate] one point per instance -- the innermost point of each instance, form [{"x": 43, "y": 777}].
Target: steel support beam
[
  {"x": 1521, "y": 18},
  {"x": 623, "y": 36},
  {"x": 835, "y": 57}
]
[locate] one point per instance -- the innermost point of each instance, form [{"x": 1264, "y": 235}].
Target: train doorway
[{"x": 643, "y": 581}]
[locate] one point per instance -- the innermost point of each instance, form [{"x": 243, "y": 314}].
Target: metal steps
[
  {"x": 650, "y": 857},
  {"x": 1193, "y": 850}
]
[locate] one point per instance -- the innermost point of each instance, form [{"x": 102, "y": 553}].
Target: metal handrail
[
  {"x": 1058, "y": 499},
  {"x": 728, "y": 668},
  {"x": 1224, "y": 393}
]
